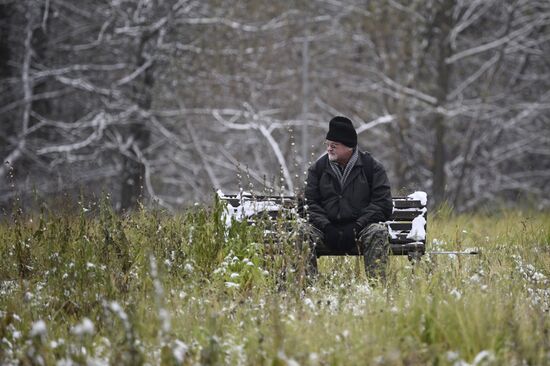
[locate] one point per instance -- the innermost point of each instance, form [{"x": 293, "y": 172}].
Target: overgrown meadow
[{"x": 87, "y": 286}]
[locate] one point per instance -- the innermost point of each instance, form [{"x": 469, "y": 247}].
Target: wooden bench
[{"x": 406, "y": 227}]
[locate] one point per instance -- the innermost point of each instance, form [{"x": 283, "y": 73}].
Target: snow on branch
[{"x": 98, "y": 121}]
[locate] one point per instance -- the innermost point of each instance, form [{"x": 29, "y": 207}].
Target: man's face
[{"x": 337, "y": 151}]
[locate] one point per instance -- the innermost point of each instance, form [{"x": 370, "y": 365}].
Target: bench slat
[
  {"x": 407, "y": 203},
  {"x": 404, "y": 249},
  {"x": 400, "y": 225},
  {"x": 408, "y": 215},
  {"x": 401, "y": 240}
]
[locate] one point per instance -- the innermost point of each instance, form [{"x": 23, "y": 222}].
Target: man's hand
[
  {"x": 342, "y": 237},
  {"x": 349, "y": 235},
  {"x": 332, "y": 236},
  {"x": 357, "y": 227}
]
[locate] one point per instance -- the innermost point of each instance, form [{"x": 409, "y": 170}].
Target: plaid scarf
[{"x": 342, "y": 176}]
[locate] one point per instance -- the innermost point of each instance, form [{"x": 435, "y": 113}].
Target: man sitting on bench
[{"x": 348, "y": 199}]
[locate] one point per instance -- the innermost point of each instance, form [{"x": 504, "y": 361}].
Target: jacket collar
[{"x": 352, "y": 175}]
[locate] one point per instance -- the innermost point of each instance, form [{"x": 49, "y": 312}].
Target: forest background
[
  {"x": 161, "y": 102},
  {"x": 167, "y": 100}
]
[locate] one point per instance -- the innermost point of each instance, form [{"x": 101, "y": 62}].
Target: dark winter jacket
[{"x": 356, "y": 203}]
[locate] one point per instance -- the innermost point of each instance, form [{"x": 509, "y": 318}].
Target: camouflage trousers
[{"x": 372, "y": 243}]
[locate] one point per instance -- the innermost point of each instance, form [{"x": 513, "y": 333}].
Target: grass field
[{"x": 91, "y": 287}]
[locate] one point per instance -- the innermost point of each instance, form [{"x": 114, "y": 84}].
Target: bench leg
[{"x": 414, "y": 257}]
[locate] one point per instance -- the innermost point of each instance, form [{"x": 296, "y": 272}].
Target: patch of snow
[
  {"x": 117, "y": 309},
  {"x": 179, "y": 350},
  {"x": 456, "y": 294},
  {"x": 393, "y": 234},
  {"x": 420, "y": 196},
  {"x": 285, "y": 360},
  {"x": 28, "y": 296},
  {"x": 476, "y": 278},
  {"x": 86, "y": 327},
  {"x": 418, "y": 232},
  {"x": 309, "y": 303},
  {"x": 38, "y": 329},
  {"x": 452, "y": 356},
  {"x": 486, "y": 356}
]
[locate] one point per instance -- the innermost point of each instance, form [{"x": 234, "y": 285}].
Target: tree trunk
[
  {"x": 443, "y": 22},
  {"x": 133, "y": 168}
]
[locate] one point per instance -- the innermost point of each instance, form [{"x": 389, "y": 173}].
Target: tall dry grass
[{"x": 95, "y": 287}]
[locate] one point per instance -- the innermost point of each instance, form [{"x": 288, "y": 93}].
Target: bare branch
[
  {"x": 496, "y": 43},
  {"x": 99, "y": 122},
  {"x": 136, "y": 73}
]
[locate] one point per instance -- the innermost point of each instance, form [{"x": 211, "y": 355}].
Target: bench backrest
[{"x": 407, "y": 225}]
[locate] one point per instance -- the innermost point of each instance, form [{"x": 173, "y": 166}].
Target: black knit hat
[{"x": 340, "y": 129}]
